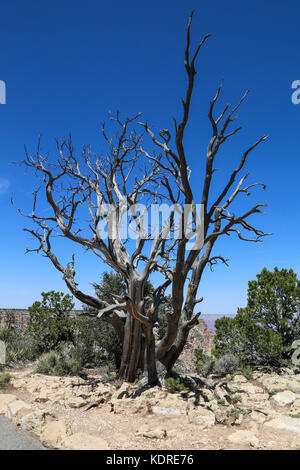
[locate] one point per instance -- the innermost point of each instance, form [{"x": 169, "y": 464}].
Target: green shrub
[
  {"x": 55, "y": 363},
  {"x": 221, "y": 401},
  {"x": 5, "y": 379},
  {"x": 106, "y": 369},
  {"x": 262, "y": 333},
  {"x": 204, "y": 365},
  {"x": 235, "y": 412},
  {"x": 236, "y": 398},
  {"x": 96, "y": 343},
  {"x": 91, "y": 341},
  {"x": 50, "y": 322},
  {"x": 227, "y": 364},
  {"x": 174, "y": 385},
  {"x": 112, "y": 378},
  {"x": 20, "y": 347},
  {"x": 244, "y": 370}
]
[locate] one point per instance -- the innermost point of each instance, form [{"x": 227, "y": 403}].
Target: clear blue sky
[{"x": 67, "y": 63}]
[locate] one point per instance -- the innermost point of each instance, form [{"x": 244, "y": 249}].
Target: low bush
[
  {"x": 227, "y": 364},
  {"x": 244, "y": 370},
  {"x": 5, "y": 379},
  {"x": 19, "y": 346},
  {"x": 96, "y": 343},
  {"x": 111, "y": 378},
  {"x": 55, "y": 363},
  {"x": 236, "y": 412},
  {"x": 174, "y": 385},
  {"x": 204, "y": 365},
  {"x": 93, "y": 342},
  {"x": 264, "y": 331},
  {"x": 106, "y": 369},
  {"x": 236, "y": 398}
]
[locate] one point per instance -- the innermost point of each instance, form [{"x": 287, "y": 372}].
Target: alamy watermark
[
  {"x": 295, "y": 97},
  {"x": 139, "y": 222},
  {"x": 2, "y": 92}
]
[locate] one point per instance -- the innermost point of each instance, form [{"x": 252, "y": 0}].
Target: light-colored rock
[
  {"x": 281, "y": 383},
  {"x": 253, "y": 427},
  {"x": 239, "y": 420},
  {"x": 296, "y": 442},
  {"x": 271, "y": 444},
  {"x": 171, "y": 405},
  {"x": 285, "y": 398},
  {"x": 240, "y": 379},
  {"x": 59, "y": 399},
  {"x": 152, "y": 433},
  {"x": 213, "y": 405},
  {"x": 286, "y": 423},
  {"x": 105, "y": 389},
  {"x": 140, "y": 405},
  {"x": 258, "y": 417},
  {"x": 41, "y": 397},
  {"x": 287, "y": 371},
  {"x": 54, "y": 433},
  {"x": 35, "y": 421},
  {"x": 244, "y": 437},
  {"x": 202, "y": 416},
  {"x": 295, "y": 408},
  {"x": 256, "y": 400},
  {"x": 162, "y": 410},
  {"x": 209, "y": 395},
  {"x": 32, "y": 388},
  {"x": 256, "y": 375},
  {"x": 5, "y": 400},
  {"x": 17, "y": 383},
  {"x": 77, "y": 402},
  {"x": 220, "y": 392},
  {"x": 17, "y": 409},
  {"x": 82, "y": 441},
  {"x": 173, "y": 401},
  {"x": 220, "y": 416},
  {"x": 247, "y": 387}
]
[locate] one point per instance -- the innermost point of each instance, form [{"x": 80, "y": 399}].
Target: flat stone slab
[
  {"x": 5, "y": 400},
  {"x": 285, "y": 423},
  {"x": 285, "y": 398}
]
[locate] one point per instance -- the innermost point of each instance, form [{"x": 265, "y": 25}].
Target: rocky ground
[{"x": 72, "y": 413}]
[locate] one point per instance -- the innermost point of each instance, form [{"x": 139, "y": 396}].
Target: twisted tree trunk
[{"x": 132, "y": 343}]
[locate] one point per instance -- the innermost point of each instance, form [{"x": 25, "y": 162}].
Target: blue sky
[{"x": 67, "y": 63}]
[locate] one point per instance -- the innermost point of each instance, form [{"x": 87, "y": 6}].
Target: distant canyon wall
[{"x": 21, "y": 316}]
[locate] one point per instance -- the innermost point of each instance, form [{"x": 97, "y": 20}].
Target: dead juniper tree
[{"x": 129, "y": 179}]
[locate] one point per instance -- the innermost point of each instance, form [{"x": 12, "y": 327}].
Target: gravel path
[{"x": 12, "y": 438}]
